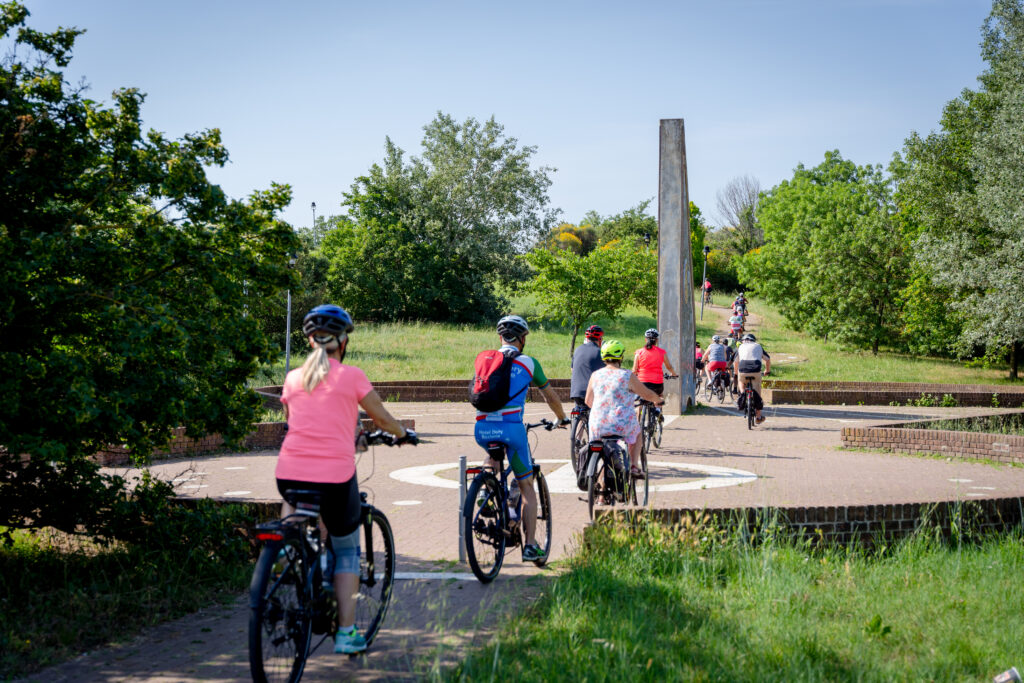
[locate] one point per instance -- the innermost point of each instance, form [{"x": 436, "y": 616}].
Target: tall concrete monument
[{"x": 675, "y": 267}]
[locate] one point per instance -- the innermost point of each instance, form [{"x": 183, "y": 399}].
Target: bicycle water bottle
[{"x": 513, "y": 500}]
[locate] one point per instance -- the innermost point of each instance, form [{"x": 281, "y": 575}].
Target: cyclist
[
  {"x": 739, "y": 305},
  {"x": 731, "y": 344},
  {"x": 716, "y": 359},
  {"x": 698, "y": 357},
  {"x": 585, "y": 360},
  {"x": 321, "y": 406},
  {"x": 707, "y": 290},
  {"x": 506, "y": 425},
  {"x": 736, "y": 326},
  {"x": 748, "y": 369},
  {"x": 647, "y": 362},
  {"x": 610, "y": 397}
]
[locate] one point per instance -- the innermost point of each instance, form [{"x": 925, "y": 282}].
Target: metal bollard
[
  {"x": 1007, "y": 676},
  {"x": 462, "y": 504}
]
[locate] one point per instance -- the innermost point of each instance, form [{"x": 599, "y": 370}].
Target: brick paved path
[{"x": 793, "y": 459}]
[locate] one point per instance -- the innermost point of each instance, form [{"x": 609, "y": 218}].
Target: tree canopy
[
  {"x": 125, "y": 284},
  {"x": 429, "y": 238}
]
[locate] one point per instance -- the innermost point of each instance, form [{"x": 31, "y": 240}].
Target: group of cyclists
[{"x": 323, "y": 397}]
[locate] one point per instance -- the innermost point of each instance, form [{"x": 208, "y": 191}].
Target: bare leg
[
  {"x": 346, "y": 587},
  {"x": 529, "y": 515}
]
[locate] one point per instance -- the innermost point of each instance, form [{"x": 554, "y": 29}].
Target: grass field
[
  {"x": 416, "y": 350},
  {"x": 693, "y": 604}
]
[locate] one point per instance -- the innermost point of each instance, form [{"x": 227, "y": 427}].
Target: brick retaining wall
[
  {"x": 904, "y": 438},
  {"x": 455, "y": 391},
  {"x": 846, "y": 524},
  {"x": 886, "y": 393},
  {"x": 265, "y": 436}
]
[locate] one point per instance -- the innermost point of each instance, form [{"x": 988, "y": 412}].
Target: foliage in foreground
[
  {"x": 62, "y": 595},
  {"x": 695, "y": 603},
  {"x": 126, "y": 274}
]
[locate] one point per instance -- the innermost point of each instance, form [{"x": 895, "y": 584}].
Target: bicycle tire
[
  {"x": 658, "y": 430},
  {"x": 543, "y": 538},
  {"x": 580, "y": 438},
  {"x": 484, "y": 525},
  {"x": 720, "y": 390},
  {"x": 375, "y": 588},
  {"x": 750, "y": 410},
  {"x": 645, "y": 482},
  {"x": 592, "y": 492},
  {"x": 709, "y": 389},
  {"x": 280, "y": 626}
]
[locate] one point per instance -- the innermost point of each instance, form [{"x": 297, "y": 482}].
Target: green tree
[
  {"x": 429, "y": 238},
  {"x": 834, "y": 259},
  {"x": 124, "y": 289},
  {"x": 574, "y": 288},
  {"x": 964, "y": 183}
]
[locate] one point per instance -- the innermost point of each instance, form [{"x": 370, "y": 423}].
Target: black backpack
[{"x": 492, "y": 380}]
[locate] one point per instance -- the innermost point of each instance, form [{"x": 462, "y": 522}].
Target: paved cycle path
[{"x": 707, "y": 459}]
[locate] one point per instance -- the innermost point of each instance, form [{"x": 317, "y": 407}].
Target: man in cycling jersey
[
  {"x": 506, "y": 425},
  {"x": 585, "y": 360},
  {"x": 739, "y": 305},
  {"x": 748, "y": 362},
  {"x": 715, "y": 359}
]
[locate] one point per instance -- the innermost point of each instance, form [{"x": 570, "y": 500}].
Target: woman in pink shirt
[
  {"x": 321, "y": 404},
  {"x": 647, "y": 363}
]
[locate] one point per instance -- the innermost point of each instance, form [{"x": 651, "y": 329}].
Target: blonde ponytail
[{"x": 317, "y": 366}]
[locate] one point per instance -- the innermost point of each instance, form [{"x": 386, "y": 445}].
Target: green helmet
[{"x": 612, "y": 349}]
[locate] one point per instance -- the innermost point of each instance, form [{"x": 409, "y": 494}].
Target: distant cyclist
[
  {"x": 715, "y": 359},
  {"x": 736, "y": 326},
  {"x": 585, "y": 360},
  {"x": 739, "y": 305},
  {"x": 698, "y": 357},
  {"x": 506, "y": 425},
  {"x": 321, "y": 405},
  {"x": 749, "y": 358},
  {"x": 707, "y": 290},
  {"x": 647, "y": 362},
  {"x": 610, "y": 397}
]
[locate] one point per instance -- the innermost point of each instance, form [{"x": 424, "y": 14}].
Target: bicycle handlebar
[
  {"x": 379, "y": 436},
  {"x": 546, "y": 424}
]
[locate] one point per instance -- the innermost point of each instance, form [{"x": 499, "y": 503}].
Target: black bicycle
[
  {"x": 289, "y": 602},
  {"x": 579, "y": 436},
  {"x": 492, "y": 513},
  {"x": 608, "y": 474},
  {"x": 718, "y": 386},
  {"x": 748, "y": 408}
]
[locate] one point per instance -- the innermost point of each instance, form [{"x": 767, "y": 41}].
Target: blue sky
[{"x": 305, "y": 92}]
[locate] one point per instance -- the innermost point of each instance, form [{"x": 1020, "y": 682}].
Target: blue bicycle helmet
[{"x": 327, "y": 318}]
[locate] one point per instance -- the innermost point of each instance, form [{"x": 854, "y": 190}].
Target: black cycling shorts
[
  {"x": 656, "y": 387},
  {"x": 340, "y": 506}
]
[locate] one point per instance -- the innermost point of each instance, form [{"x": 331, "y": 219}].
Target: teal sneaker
[
  {"x": 349, "y": 643},
  {"x": 532, "y": 553}
]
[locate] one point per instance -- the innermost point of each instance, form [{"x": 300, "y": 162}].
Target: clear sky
[{"x": 305, "y": 92}]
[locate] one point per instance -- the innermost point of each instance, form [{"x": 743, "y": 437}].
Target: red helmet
[{"x": 593, "y": 332}]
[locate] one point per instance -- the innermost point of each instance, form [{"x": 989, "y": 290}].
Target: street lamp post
[{"x": 703, "y": 279}]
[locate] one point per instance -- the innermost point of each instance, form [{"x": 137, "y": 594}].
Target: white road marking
[
  {"x": 237, "y": 493},
  {"x": 196, "y": 486},
  {"x": 984, "y": 488},
  {"x": 177, "y": 479},
  {"x": 408, "y": 502},
  {"x": 976, "y": 494},
  {"x": 236, "y": 468},
  {"x": 563, "y": 479},
  {"x": 961, "y": 481},
  {"x": 436, "y": 576}
]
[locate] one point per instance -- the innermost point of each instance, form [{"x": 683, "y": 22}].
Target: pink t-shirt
[
  {"x": 647, "y": 364},
  {"x": 320, "y": 445}
]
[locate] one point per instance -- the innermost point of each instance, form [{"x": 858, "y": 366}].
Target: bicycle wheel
[
  {"x": 644, "y": 488},
  {"x": 484, "y": 525},
  {"x": 593, "y": 491},
  {"x": 750, "y": 410},
  {"x": 376, "y": 573},
  {"x": 657, "y": 430},
  {"x": 542, "y": 534},
  {"x": 720, "y": 390},
  {"x": 580, "y": 440},
  {"x": 709, "y": 389},
  {"x": 279, "y": 622}
]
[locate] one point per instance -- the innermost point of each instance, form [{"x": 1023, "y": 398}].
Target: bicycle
[
  {"x": 288, "y": 598},
  {"x": 698, "y": 379},
  {"x": 608, "y": 473},
  {"x": 717, "y": 386},
  {"x": 579, "y": 436},
  {"x": 487, "y": 528},
  {"x": 707, "y": 298}
]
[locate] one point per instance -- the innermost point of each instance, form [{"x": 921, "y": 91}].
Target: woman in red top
[{"x": 647, "y": 363}]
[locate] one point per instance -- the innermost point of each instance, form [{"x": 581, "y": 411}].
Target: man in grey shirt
[{"x": 585, "y": 360}]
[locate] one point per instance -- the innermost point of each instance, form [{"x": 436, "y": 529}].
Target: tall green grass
[
  {"x": 697, "y": 604},
  {"x": 419, "y": 350}
]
